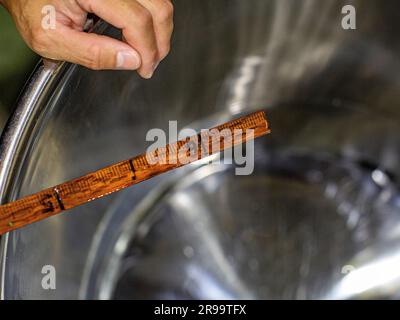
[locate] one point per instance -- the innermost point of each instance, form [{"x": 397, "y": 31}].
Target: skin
[{"x": 146, "y": 26}]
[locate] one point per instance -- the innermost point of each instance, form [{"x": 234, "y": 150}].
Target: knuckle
[
  {"x": 39, "y": 41},
  {"x": 165, "y": 11},
  {"x": 94, "y": 61},
  {"x": 143, "y": 18}
]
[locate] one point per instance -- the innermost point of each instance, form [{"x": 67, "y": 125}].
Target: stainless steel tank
[{"x": 319, "y": 218}]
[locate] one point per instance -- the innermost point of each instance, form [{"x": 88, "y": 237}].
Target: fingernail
[
  {"x": 127, "y": 60},
  {"x": 154, "y": 67}
]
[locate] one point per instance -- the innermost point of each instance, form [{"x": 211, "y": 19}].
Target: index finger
[{"x": 136, "y": 23}]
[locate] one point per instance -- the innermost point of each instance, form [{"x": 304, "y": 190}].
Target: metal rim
[
  {"x": 18, "y": 131},
  {"x": 15, "y": 137}
]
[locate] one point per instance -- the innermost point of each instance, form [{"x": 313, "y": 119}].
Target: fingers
[
  {"x": 162, "y": 14},
  {"x": 146, "y": 26},
  {"x": 95, "y": 51}
]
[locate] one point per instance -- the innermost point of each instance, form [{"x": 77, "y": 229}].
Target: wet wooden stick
[{"x": 111, "y": 179}]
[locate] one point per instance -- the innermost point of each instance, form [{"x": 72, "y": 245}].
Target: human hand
[{"x": 146, "y": 27}]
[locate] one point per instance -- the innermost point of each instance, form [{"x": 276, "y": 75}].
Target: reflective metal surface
[{"x": 320, "y": 216}]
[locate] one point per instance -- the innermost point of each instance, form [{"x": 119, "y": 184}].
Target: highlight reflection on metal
[
  {"x": 379, "y": 275},
  {"x": 324, "y": 195}
]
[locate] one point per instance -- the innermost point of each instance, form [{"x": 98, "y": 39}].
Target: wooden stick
[{"x": 103, "y": 182}]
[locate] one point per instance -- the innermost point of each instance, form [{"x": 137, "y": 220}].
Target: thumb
[{"x": 95, "y": 51}]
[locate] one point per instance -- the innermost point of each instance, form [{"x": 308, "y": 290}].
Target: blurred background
[{"x": 16, "y": 63}]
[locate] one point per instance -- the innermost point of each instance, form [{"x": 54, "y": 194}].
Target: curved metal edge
[
  {"x": 13, "y": 142},
  {"x": 19, "y": 126}
]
